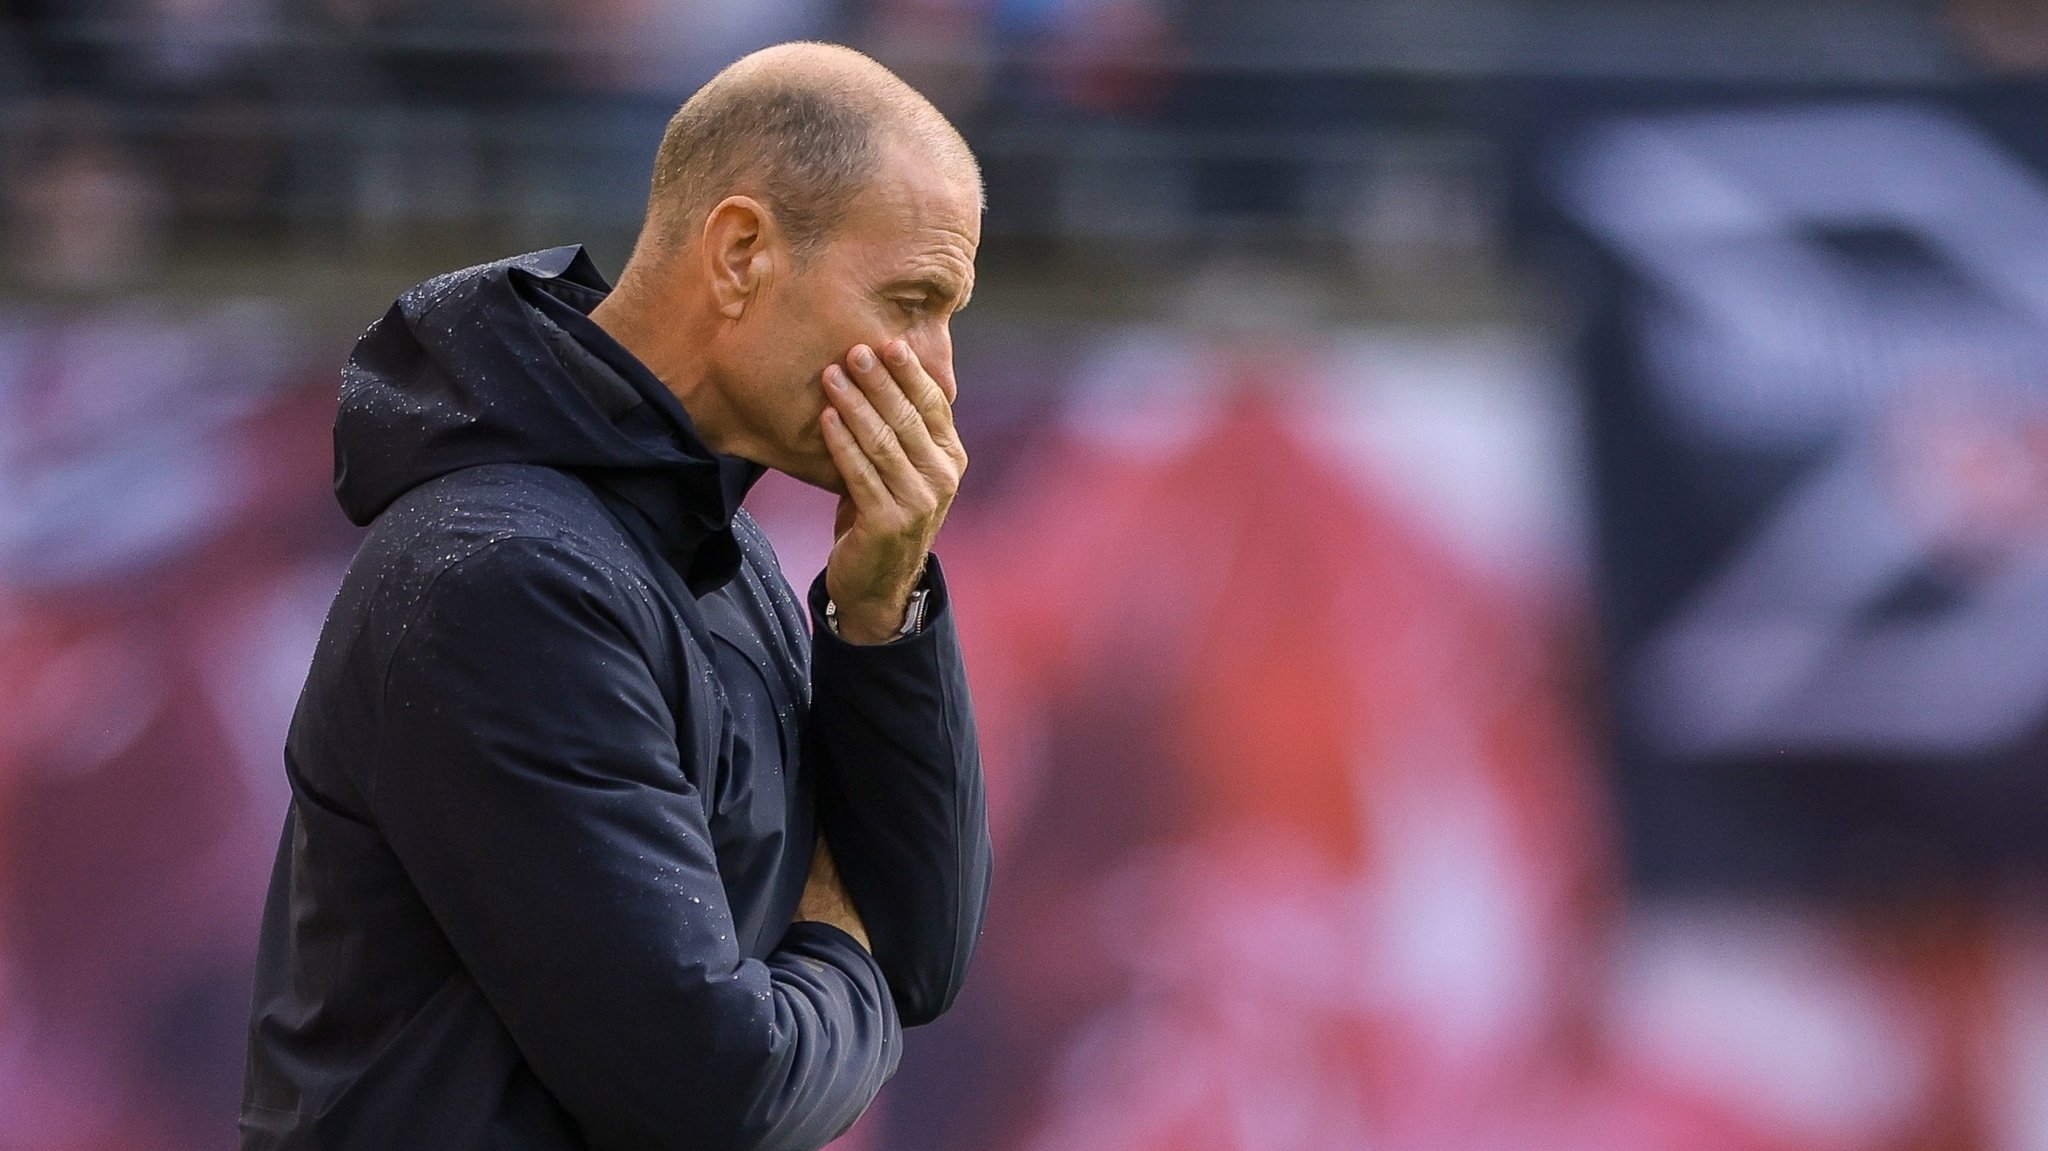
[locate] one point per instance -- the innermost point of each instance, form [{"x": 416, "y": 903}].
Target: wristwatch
[{"x": 913, "y": 616}]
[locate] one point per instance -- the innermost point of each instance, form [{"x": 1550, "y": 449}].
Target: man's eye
[{"x": 910, "y": 305}]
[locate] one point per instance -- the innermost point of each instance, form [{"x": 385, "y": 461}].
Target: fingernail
[
  {"x": 862, "y": 358},
  {"x": 898, "y": 352}
]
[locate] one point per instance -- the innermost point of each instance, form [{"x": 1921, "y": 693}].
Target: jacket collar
[{"x": 688, "y": 507}]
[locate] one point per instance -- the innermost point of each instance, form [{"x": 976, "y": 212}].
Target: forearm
[
  {"x": 901, "y": 799},
  {"x": 824, "y": 898}
]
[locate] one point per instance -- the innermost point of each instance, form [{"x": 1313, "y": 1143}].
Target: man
[{"x": 556, "y": 872}]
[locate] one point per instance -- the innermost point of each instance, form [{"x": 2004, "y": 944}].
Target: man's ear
[{"x": 740, "y": 242}]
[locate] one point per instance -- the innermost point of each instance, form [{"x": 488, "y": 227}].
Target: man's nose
[{"x": 933, "y": 343}]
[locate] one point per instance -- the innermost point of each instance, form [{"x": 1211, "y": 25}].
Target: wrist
[{"x": 878, "y": 622}]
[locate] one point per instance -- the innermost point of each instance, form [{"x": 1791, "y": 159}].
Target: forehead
[{"x": 916, "y": 210}]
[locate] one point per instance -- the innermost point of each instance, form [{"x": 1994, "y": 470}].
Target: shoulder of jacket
[
  {"x": 500, "y": 501},
  {"x": 509, "y": 510}
]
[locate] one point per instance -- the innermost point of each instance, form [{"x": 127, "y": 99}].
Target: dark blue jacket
[{"x": 559, "y": 765}]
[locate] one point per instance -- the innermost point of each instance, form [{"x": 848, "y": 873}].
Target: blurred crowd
[{"x": 301, "y": 120}]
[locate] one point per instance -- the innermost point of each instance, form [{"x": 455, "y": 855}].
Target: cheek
[
  {"x": 807, "y": 405},
  {"x": 798, "y": 402},
  {"x": 812, "y": 330}
]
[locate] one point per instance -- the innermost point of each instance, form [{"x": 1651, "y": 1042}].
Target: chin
[
  {"x": 832, "y": 483},
  {"x": 819, "y": 474}
]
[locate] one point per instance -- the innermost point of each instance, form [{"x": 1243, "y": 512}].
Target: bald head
[{"x": 801, "y": 127}]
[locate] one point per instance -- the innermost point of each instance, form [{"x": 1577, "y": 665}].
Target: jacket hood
[{"x": 473, "y": 367}]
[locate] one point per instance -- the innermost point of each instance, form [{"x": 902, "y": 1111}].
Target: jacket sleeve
[
  {"x": 531, "y": 784},
  {"x": 900, "y": 797}
]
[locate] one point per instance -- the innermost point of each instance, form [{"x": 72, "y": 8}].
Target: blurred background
[{"x": 1506, "y": 570}]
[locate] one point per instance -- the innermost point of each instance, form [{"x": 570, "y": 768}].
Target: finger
[
  {"x": 926, "y": 394},
  {"x": 863, "y": 483},
  {"x": 888, "y": 395},
  {"x": 872, "y": 434},
  {"x": 843, "y": 515}
]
